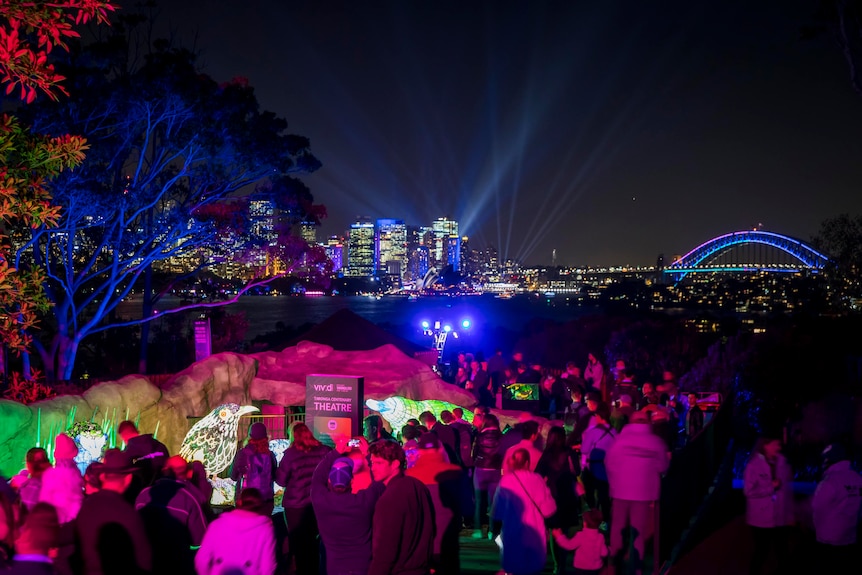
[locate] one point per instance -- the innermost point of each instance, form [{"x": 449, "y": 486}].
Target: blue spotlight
[
  {"x": 465, "y": 324},
  {"x": 425, "y": 325},
  {"x": 447, "y": 328}
]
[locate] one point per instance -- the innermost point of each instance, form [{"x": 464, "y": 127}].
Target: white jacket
[
  {"x": 766, "y": 506},
  {"x": 836, "y": 505},
  {"x": 237, "y": 543},
  {"x": 522, "y": 503},
  {"x": 635, "y": 463}
]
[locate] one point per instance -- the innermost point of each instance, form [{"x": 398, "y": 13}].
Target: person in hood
[
  {"x": 63, "y": 488},
  {"x": 63, "y": 484},
  {"x": 836, "y": 506},
  {"x": 239, "y": 542}
]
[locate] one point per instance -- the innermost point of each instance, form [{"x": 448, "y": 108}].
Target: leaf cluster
[{"x": 29, "y": 31}]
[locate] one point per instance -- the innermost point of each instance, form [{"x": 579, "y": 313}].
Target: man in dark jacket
[
  {"x": 174, "y": 521},
  {"x": 403, "y": 534},
  {"x": 147, "y": 453},
  {"x": 110, "y": 535},
  {"x": 344, "y": 517},
  {"x": 447, "y": 435},
  {"x": 694, "y": 417}
]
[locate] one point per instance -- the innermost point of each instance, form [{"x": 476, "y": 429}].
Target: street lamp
[{"x": 440, "y": 332}]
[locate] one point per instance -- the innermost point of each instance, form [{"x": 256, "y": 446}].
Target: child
[{"x": 588, "y": 544}]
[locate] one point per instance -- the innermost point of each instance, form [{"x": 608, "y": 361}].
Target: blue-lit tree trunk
[{"x": 172, "y": 161}]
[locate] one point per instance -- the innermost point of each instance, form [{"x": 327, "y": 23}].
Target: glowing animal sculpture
[
  {"x": 212, "y": 440},
  {"x": 397, "y": 410}
]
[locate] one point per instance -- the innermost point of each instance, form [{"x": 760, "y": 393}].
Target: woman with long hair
[
  {"x": 294, "y": 474},
  {"x": 522, "y": 504},
  {"x": 768, "y": 502},
  {"x": 559, "y": 466}
]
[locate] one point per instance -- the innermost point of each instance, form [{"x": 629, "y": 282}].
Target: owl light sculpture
[{"x": 213, "y": 439}]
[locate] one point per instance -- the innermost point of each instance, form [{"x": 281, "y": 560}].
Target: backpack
[
  {"x": 596, "y": 458},
  {"x": 259, "y": 473}
]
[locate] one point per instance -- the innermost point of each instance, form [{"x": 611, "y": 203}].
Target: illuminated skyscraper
[
  {"x": 262, "y": 214},
  {"x": 360, "y": 249},
  {"x": 419, "y": 263},
  {"x": 453, "y": 252},
  {"x": 391, "y": 247},
  {"x": 442, "y": 228},
  {"x": 335, "y": 252}
]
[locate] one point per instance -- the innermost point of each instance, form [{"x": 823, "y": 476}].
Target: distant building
[
  {"x": 442, "y": 228},
  {"x": 420, "y": 262},
  {"x": 308, "y": 232},
  {"x": 453, "y": 252},
  {"x": 360, "y": 249},
  {"x": 263, "y": 216},
  {"x": 390, "y": 246},
  {"x": 335, "y": 252}
]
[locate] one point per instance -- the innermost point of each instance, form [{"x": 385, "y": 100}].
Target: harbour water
[{"x": 484, "y": 312}]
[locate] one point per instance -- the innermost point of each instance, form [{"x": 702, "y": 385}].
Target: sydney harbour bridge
[{"x": 748, "y": 251}]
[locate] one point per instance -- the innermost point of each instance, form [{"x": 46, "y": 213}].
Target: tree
[
  {"x": 172, "y": 153},
  {"x": 29, "y": 32},
  {"x": 842, "y": 20},
  {"x": 841, "y": 238}
]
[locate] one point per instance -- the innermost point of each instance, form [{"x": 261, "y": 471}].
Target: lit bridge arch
[{"x": 700, "y": 258}]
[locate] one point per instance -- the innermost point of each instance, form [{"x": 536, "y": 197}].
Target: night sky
[{"x": 610, "y": 130}]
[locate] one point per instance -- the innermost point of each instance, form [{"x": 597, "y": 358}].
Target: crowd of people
[{"x": 580, "y": 488}]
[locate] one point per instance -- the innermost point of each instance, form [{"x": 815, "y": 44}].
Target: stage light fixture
[
  {"x": 465, "y": 324},
  {"x": 447, "y": 328}
]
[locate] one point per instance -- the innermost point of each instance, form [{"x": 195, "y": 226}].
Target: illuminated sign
[{"x": 333, "y": 406}]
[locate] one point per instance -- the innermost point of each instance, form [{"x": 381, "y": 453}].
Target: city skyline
[{"x": 610, "y": 132}]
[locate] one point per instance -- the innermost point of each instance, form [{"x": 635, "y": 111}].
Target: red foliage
[
  {"x": 25, "y": 66},
  {"x": 27, "y": 391}
]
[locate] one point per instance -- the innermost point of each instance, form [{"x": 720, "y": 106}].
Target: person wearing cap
[
  {"x": 37, "y": 539},
  {"x": 173, "y": 518},
  {"x": 836, "y": 507},
  {"x": 634, "y": 462},
  {"x": 443, "y": 480},
  {"x": 255, "y": 464},
  {"x": 109, "y": 534},
  {"x": 344, "y": 517}
]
